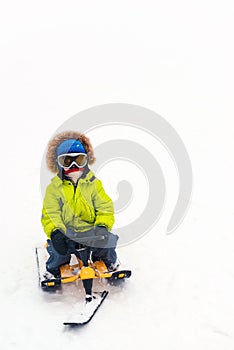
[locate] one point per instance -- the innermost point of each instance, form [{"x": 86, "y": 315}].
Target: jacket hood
[{"x": 51, "y": 155}]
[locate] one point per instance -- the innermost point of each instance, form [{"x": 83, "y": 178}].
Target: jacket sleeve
[
  {"x": 103, "y": 205},
  {"x": 51, "y": 212}
]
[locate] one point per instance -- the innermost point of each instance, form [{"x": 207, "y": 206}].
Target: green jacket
[{"x": 78, "y": 208}]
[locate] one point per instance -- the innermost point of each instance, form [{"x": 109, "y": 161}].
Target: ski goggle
[{"x": 70, "y": 159}]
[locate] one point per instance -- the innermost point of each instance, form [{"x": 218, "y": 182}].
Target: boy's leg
[
  {"x": 107, "y": 255},
  {"x": 55, "y": 260}
]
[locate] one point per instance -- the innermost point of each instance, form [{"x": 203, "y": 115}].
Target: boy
[{"x": 77, "y": 213}]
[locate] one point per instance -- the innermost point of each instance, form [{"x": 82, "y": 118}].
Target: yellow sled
[{"x": 75, "y": 271}]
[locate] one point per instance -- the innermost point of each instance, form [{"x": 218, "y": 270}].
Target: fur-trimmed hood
[{"x": 51, "y": 156}]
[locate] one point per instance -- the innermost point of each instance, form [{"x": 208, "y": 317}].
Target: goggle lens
[{"x": 66, "y": 160}]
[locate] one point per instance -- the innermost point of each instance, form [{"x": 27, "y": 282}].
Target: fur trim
[{"x": 51, "y": 156}]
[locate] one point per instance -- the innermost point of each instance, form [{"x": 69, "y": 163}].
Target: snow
[
  {"x": 176, "y": 58},
  {"x": 179, "y": 296}
]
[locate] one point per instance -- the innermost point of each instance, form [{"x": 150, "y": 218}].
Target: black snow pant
[{"x": 98, "y": 250}]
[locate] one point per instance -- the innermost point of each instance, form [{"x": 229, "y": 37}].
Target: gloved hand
[
  {"x": 59, "y": 241},
  {"x": 101, "y": 231}
]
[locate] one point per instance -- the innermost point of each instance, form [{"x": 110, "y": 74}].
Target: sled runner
[
  {"x": 74, "y": 272},
  {"x": 82, "y": 314}
]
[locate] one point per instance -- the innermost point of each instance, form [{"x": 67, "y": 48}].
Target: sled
[{"x": 75, "y": 271}]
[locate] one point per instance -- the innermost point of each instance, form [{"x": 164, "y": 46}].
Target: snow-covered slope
[
  {"x": 175, "y": 58},
  {"x": 179, "y": 296}
]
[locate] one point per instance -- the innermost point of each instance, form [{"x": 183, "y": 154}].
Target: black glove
[
  {"x": 59, "y": 241},
  {"x": 101, "y": 231}
]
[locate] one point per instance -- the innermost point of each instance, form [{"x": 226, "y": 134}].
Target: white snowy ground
[
  {"x": 180, "y": 294},
  {"x": 174, "y": 57}
]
